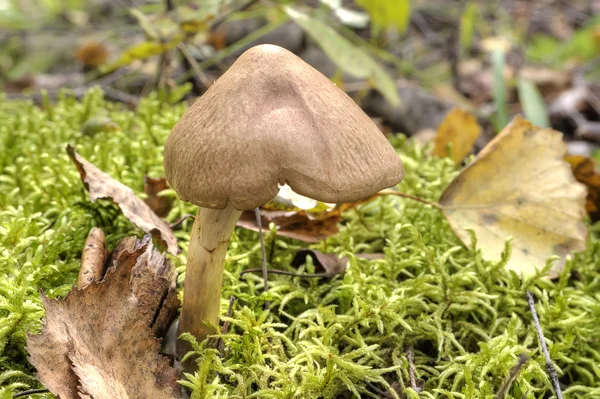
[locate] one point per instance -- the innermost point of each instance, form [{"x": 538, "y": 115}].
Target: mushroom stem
[{"x": 204, "y": 273}]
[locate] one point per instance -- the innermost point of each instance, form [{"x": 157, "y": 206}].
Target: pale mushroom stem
[{"x": 204, "y": 273}]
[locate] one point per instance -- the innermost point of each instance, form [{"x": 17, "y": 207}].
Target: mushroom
[{"x": 270, "y": 120}]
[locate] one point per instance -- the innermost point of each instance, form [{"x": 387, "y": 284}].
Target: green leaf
[
  {"x": 467, "y": 25},
  {"x": 388, "y": 13},
  {"x": 499, "y": 89},
  {"x": 348, "y": 57},
  {"x": 140, "y": 51},
  {"x": 533, "y": 104}
]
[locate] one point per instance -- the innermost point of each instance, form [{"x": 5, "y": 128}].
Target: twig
[
  {"x": 176, "y": 223},
  {"x": 121, "y": 96},
  {"x": 378, "y": 391},
  {"x": 523, "y": 359},
  {"x": 225, "y": 328},
  {"x": 30, "y": 392},
  {"x": 455, "y": 50},
  {"x": 549, "y": 365},
  {"x": 223, "y": 17},
  {"x": 412, "y": 197},
  {"x": 264, "y": 256},
  {"x": 411, "y": 369},
  {"x": 286, "y": 273},
  {"x": 200, "y": 76}
]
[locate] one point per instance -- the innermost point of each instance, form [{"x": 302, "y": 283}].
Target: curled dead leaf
[
  {"x": 584, "y": 170},
  {"x": 519, "y": 185},
  {"x": 92, "y": 258},
  {"x": 297, "y": 225},
  {"x": 99, "y": 342},
  {"x": 460, "y": 129},
  {"x": 101, "y": 185},
  {"x": 310, "y": 227}
]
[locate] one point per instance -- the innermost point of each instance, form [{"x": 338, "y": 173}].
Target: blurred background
[{"x": 405, "y": 62}]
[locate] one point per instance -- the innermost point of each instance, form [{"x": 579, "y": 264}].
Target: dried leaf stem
[
  {"x": 286, "y": 273},
  {"x": 514, "y": 372},
  {"x": 549, "y": 365},
  {"x": 411, "y": 369}
]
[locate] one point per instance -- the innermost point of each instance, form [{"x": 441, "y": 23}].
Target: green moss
[{"x": 466, "y": 318}]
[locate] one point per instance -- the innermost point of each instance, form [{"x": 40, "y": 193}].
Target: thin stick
[
  {"x": 523, "y": 359},
  {"x": 412, "y": 197},
  {"x": 223, "y": 17},
  {"x": 181, "y": 220},
  {"x": 30, "y": 392},
  {"x": 549, "y": 365},
  {"x": 286, "y": 273},
  {"x": 378, "y": 391},
  {"x": 264, "y": 256},
  {"x": 194, "y": 64},
  {"x": 411, "y": 369},
  {"x": 225, "y": 328}
]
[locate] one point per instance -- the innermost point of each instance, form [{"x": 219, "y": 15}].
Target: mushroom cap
[{"x": 272, "y": 119}]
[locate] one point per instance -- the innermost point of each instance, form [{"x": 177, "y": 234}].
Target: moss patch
[{"x": 466, "y": 318}]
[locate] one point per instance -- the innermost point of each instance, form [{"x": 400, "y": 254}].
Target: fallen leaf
[
  {"x": 101, "y": 185},
  {"x": 585, "y": 172},
  {"x": 292, "y": 224},
  {"x": 328, "y": 264},
  {"x": 519, "y": 185},
  {"x": 300, "y": 225},
  {"x": 460, "y": 129},
  {"x": 161, "y": 205},
  {"x": 99, "y": 342},
  {"x": 388, "y": 13},
  {"x": 92, "y": 258}
]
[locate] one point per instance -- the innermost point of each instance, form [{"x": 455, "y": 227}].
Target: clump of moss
[{"x": 465, "y": 318}]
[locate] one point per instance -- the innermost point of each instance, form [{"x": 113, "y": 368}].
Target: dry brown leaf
[
  {"x": 585, "y": 172},
  {"x": 292, "y": 224},
  {"x": 100, "y": 342},
  {"x": 519, "y": 186},
  {"x": 101, "y": 185},
  {"x": 300, "y": 225},
  {"x": 161, "y": 205},
  {"x": 460, "y": 129}
]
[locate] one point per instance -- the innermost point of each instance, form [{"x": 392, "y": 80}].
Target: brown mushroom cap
[{"x": 272, "y": 119}]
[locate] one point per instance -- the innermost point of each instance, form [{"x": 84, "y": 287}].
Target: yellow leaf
[
  {"x": 459, "y": 128},
  {"x": 519, "y": 186},
  {"x": 388, "y": 13}
]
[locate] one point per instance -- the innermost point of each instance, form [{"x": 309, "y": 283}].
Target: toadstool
[{"x": 270, "y": 120}]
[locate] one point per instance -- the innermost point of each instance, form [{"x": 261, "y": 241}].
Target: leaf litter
[
  {"x": 102, "y": 185},
  {"x": 100, "y": 342},
  {"x": 519, "y": 186}
]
